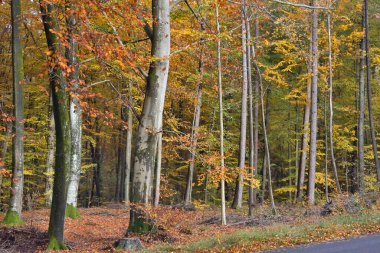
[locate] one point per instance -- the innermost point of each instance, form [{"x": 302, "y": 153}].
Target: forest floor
[{"x": 199, "y": 231}]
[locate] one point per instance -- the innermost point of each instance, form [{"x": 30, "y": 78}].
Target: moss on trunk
[
  {"x": 55, "y": 245},
  {"x": 139, "y": 224},
  {"x": 72, "y": 212},
  {"x": 12, "y": 218}
]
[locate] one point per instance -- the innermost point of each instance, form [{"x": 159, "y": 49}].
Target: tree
[
  {"x": 369, "y": 89},
  {"x": 75, "y": 112},
  {"x": 314, "y": 106},
  {"x": 61, "y": 110},
  {"x": 238, "y": 198},
  {"x": 50, "y": 154},
  {"x": 13, "y": 216},
  {"x": 128, "y": 151},
  {"x": 197, "y": 110},
  {"x": 361, "y": 164},
  {"x": 331, "y": 114},
  {"x": 221, "y": 118},
  {"x": 151, "y": 117}
]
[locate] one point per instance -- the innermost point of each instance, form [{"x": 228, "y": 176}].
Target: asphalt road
[{"x": 363, "y": 244}]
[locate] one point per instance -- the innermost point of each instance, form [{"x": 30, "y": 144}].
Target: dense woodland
[{"x": 226, "y": 104}]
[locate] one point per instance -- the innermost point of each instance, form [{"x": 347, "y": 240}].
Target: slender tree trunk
[
  {"x": 238, "y": 198},
  {"x": 251, "y": 197},
  {"x": 13, "y": 216},
  {"x": 62, "y": 128},
  {"x": 194, "y": 133},
  {"x": 151, "y": 118},
  {"x": 305, "y": 133},
  {"x": 265, "y": 164},
  {"x": 75, "y": 114},
  {"x": 314, "y": 106},
  {"x": 256, "y": 111},
  {"x": 326, "y": 151},
  {"x": 50, "y": 155},
  {"x": 128, "y": 152},
  {"x": 289, "y": 154},
  {"x": 266, "y": 142},
  {"x": 4, "y": 150},
  {"x": 333, "y": 164},
  {"x": 221, "y": 122},
  {"x": 197, "y": 116},
  {"x": 304, "y": 144},
  {"x": 297, "y": 147},
  {"x": 361, "y": 116},
  {"x": 369, "y": 90},
  {"x": 158, "y": 170}
]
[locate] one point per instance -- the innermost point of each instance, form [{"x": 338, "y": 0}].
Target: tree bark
[
  {"x": 4, "y": 150},
  {"x": 266, "y": 142},
  {"x": 221, "y": 122},
  {"x": 50, "y": 155},
  {"x": 256, "y": 110},
  {"x": 151, "y": 118},
  {"x": 128, "y": 152},
  {"x": 333, "y": 164},
  {"x": 361, "y": 114},
  {"x": 158, "y": 171},
  {"x": 75, "y": 113},
  {"x": 13, "y": 216},
  {"x": 304, "y": 144},
  {"x": 251, "y": 192},
  {"x": 238, "y": 198},
  {"x": 369, "y": 90},
  {"x": 314, "y": 107},
  {"x": 194, "y": 132}
]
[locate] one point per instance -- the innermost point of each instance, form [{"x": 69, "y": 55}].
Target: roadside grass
[{"x": 283, "y": 235}]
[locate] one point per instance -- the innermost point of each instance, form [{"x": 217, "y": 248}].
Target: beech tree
[
  {"x": 75, "y": 112},
  {"x": 238, "y": 198},
  {"x": 60, "y": 97},
  {"x": 151, "y": 117},
  {"x": 314, "y": 105},
  {"x": 13, "y": 216}
]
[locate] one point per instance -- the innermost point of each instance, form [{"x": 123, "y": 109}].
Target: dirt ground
[{"x": 99, "y": 228}]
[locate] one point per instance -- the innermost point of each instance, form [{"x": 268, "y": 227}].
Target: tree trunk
[
  {"x": 75, "y": 115},
  {"x": 256, "y": 111},
  {"x": 238, "y": 198},
  {"x": 314, "y": 107},
  {"x": 128, "y": 152},
  {"x": 333, "y": 164},
  {"x": 326, "y": 151},
  {"x": 13, "y": 216},
  {"x": 4, "y": 150},
  {"x": 271, "y": 197},
  {"x": 361, "y": 115},
  {"x": 369, "y": 90},
  {"x": 62, "y": 128},
  {"x": 158, "y": 171},
  {"x": 297, "y": 147},
  {"x": 50, "y": 155},
  {"x": 304, "y": 144},
  {"x": 194, "y": 133},
  {"x": 151, "y": 118},
  {"x": 221, "y": 122},
  {"x": 265, "y": 164},
  {"x": 252, "y": 195}
]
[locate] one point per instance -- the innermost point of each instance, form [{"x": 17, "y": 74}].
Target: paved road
[{"x": 363, "y": 244}]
